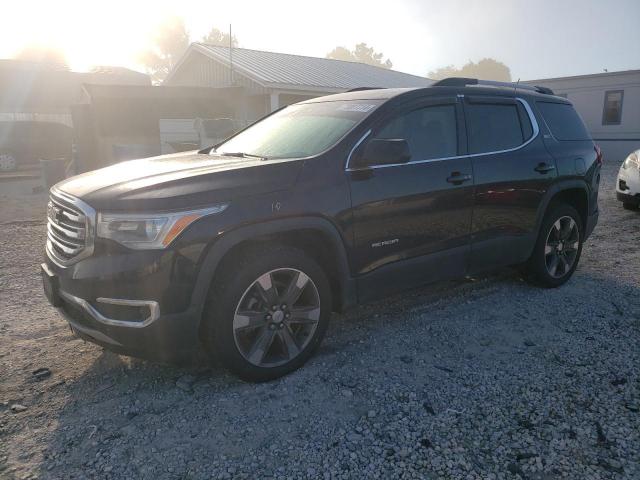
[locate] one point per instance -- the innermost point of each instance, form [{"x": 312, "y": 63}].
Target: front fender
[{"x": 227, "y": 240}]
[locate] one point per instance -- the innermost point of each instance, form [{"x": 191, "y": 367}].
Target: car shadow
[{"x": 150, "y": 420}]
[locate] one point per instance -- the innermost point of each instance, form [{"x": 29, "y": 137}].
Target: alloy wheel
[
  {"x": 561, "y": 247},
  {"x": 276, "y": 317}
]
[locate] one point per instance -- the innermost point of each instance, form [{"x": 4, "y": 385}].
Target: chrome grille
[{"x": 69, "y": 228}]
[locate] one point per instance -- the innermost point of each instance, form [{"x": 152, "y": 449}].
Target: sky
[{"x": 536, "y": 39}]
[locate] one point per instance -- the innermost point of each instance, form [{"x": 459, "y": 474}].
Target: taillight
[{"x": 599, "y": 158}]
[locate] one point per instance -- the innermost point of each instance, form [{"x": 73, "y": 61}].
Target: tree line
[{"x": 171, "y": 39}]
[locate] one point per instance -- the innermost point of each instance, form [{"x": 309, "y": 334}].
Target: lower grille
[{"x": 69, "y": 228}]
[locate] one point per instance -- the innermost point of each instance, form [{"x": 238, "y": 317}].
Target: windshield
[{"x": 299, "y": 130}]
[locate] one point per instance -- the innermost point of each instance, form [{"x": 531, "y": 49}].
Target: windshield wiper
[{"x": 243, "y": 155}]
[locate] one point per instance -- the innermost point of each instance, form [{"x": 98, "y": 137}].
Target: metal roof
[{"x": 275, "y": 70}]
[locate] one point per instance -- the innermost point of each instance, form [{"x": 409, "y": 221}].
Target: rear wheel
[
  {"x": 267, "y": 313},
  {"x": 558, "y": 248}
]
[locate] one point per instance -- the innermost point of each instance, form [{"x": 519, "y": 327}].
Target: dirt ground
[{"x": 481, "y": 378}]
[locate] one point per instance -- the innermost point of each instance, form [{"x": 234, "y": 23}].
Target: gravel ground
[{"x": 483, "y": 378}]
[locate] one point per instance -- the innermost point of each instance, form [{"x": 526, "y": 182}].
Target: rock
[
  {"x": 347, "y": 393},
  {"x": 428, "y": 407},
  {"x": 41, "y": 373},
  {"x": 426, "y": 443},
  {"x": 515, "y": 469},
  {"x": 443, "y": 368},
  {"x": 602, "y": 439},
  {"x": 526, "y": 423},
  {"x": 186, "y": 382},
  {"x": 525, "y": 456},
  {"x": 529, "y": 343},
  {"x": 354, "y": 437},
  {"x": 618, "y": 381},
  {"x": 348, "y": 382},
  {"x": 17, "y": 408},
  {"x": 634, "y": 407},
  {"x": 406, "y": 359},
  {"x": 371, "y": 414},
  {"x": 611, "y": 465}
]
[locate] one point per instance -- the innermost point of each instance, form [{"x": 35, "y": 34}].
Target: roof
[
  {"x": 590, "y": 75},
  {"x": 375, "y": 94},
  {"x": 407, "y": 93},
  {"x": 283, "y": 70}
]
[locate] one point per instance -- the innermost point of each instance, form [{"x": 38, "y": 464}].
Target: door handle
[
  {"x": 458, "y": 178},
  {"x": 544, "y": 168}
]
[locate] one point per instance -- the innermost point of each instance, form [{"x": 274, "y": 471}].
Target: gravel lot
[{"x": 482, "y": 378}]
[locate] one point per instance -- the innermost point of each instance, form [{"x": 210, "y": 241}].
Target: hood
[{"x": 186, "y": 179}]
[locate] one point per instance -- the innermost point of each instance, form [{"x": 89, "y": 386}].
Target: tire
[
  {"x": 630, "y": 206},
  {"x": 253, "y": 339},
  {"x": 8, "y": 162},
  {"x": 556, "y": 243}
]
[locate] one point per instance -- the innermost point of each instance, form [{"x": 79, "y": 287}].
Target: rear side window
[
  {"x": 430, "y": 132},
  {"x": 494, "y": 127},
  {"x": 563, "y": 121}
]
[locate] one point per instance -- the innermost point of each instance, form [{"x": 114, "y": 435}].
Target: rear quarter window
[{"x": 563, "y": 121}]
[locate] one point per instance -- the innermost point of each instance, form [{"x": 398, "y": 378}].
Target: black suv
[{"x": 247, "y": 247}]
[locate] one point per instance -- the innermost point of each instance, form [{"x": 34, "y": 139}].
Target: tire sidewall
[
  {"x": 538, "y": 261},
  {"x": 227, "y": 292}
]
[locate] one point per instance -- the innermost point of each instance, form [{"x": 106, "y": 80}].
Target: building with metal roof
[
  {"x": 272, "y": 80},
  {"x": 609, "y": 104}
]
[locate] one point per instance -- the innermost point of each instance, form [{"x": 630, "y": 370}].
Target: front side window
[
  {"x": 430, "y": 132},
  {"x": 495, "y": 127},
  {"x": 612, "y": 112},
  {"x": 299, "y": 131}
]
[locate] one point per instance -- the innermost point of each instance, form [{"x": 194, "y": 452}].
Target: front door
[{"x": 412, "y": 220}]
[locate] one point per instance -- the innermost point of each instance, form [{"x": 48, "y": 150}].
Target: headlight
[
  {"x": 631, "y": 162},
  {"x": 149, "y": 231}
]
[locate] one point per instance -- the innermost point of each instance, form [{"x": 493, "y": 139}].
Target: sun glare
[{"x": 86, "y": 33}]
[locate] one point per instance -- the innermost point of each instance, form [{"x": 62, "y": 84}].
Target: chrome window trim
[
  {"x": 89, "y": 230},
  {"x": 534, "y": 126},
  {"x": 154, "y": 310}
]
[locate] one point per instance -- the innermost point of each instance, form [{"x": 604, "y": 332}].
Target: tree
[
  {"x": 342, "y": 53},
  {"x": 361, "y": 53},
  {"x": 220, "y": 38},
  {"x": 43, "y": 54},
  {"x": 485, "y": 69},
  {"x": 169, "y": 43}
]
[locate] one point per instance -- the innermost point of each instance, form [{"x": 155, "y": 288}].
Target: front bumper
[
  {"x": 629, "y": 199},
  {"x": 628, "y": 183},
  {"x": 170, "y": 338},
  {"x": 134, "y": 304}
]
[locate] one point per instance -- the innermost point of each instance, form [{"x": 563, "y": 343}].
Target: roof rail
[
  {"x": 464, "y": 82},
  {"x": 360, "y": 89}
]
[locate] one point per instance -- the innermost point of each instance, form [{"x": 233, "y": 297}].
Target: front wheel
[
  {"x": 558, "y": 248},
  {"x": 267, "y": 313}
]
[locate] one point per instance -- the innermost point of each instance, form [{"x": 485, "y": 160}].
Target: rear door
[
  {"x": 512, "y": 171},
  {"x": 412, "y": 220}
]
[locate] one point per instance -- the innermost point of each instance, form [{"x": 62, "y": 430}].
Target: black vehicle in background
[{"x": 247, "y": 248}]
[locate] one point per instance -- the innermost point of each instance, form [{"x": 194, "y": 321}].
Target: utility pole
[{"x": 231, "y": 54}]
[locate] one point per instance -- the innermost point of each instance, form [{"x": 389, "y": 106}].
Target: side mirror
[{"x": 383, "y": 151}]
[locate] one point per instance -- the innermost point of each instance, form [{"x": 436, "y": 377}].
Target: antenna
[
  {"x": 230, "y": 54},
  {"x": 515, "y": 87}
]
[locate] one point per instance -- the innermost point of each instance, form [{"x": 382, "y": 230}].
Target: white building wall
[{"x": 587, "y": 93}]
